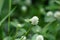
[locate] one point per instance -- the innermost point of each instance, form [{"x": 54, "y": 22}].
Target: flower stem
[{"x": 9, "y": 17}]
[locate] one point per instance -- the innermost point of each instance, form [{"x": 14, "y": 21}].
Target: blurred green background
[{"x": 14, "y": 12}]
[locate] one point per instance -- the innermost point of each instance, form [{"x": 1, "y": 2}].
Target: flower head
[
  {"x": 50, "y": 13},
  {"x": 57, "y": 14},
  {"x": 39, "y": 37},
  {"x": 34, "y": 20}
]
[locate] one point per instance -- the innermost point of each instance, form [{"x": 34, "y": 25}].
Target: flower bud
[{"x": 24, "y": 8}]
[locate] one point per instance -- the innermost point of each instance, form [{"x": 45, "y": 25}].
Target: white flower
[
  {"x": 34, "y": 20},
  {"x": 57, "y": 14},
  {"x": 39, "y": 37},
  {"x": 50, "y": 13},
  {"x": 24, "y": 8},
  {"x": 23, "y": 37}
]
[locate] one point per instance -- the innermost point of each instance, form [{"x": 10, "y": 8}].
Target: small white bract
[
  {"x": 20, "y": 25},
  {"x": 23, "y": 37},
  {"x": 34, "y": 20},
  {"x": 26, "y": 20},
  {"x": 57, "y": 14},
  {"x": 24, "y": 8},
  {"x": 39, "y": 37},
  {"x": 49, "y": 13}
]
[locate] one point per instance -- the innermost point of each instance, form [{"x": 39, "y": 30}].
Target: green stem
[
  {"x": 17, "y": 28},
  {"x": 27, "y": 32},
  {"x": 9, "y": 16},
  {"x": 1, "y": 33},
  {"x": 58, "y": 25}
]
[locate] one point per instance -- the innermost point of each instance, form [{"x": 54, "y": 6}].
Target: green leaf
[
  {"x": 50, "y": 37},
  {"x": 20, "y": 32},
  {"x": 1, "y": 4},
  {"x": 17, "y": 39},
  {"x": 8, "y": 38},
  {"x": 49, "y": 19},
  {"x": 15, "y": 23},
  {"x": 53, "y": 7},
  {"x": 45, "y": 29},
  {"x": 34, "y": 37},
  {"x": 7, "y": 16},
  {"x": 36, "y": 29}
]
